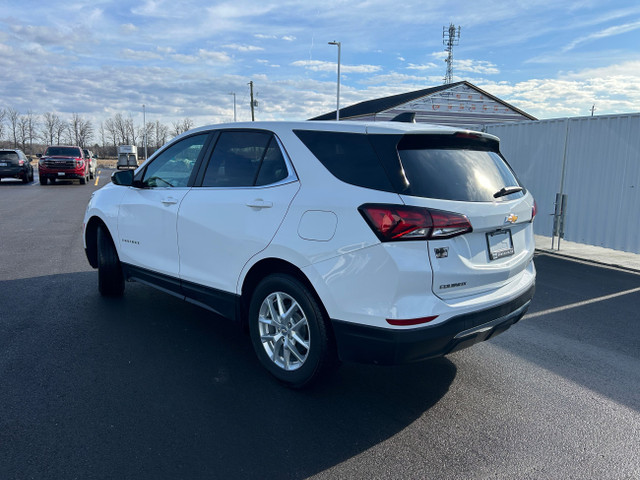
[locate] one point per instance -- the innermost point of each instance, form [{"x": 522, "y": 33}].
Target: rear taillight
[
  {"x": 21, "y": 162},
  {"x": 403, "y": 222},
  {"x": 534, "y": 210}
]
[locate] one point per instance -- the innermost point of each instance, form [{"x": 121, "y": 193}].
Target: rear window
[
  {"x": 63, "y": 152},
  {"x": 451, "y": 168},
  {"x": 8, "y": 156}
]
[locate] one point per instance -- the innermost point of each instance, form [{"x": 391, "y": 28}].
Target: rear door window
[{"x": 245, "y": 159}]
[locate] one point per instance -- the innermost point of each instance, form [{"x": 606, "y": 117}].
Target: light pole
[
  {"x": 144, "y": 121},
  {"x": 234, "y": 106},
  {"x": 338, "y": 94}
]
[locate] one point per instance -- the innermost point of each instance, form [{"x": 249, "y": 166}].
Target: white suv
[{"x": 372, "y": 242}]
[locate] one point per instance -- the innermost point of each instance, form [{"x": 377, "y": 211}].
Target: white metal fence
[{"x": 595, "y": 161}]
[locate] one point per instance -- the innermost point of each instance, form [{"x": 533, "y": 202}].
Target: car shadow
[
  {"x": 583, "y": 327},
  {"x": 150, "y": 386}
]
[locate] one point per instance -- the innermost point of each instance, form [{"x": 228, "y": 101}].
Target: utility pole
[
  {"x": 253, "y": 118},
  {"x": 593, "y": 109},
  {"x": 450, "y": 38}
]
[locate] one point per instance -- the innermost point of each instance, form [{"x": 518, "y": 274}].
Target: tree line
[{"x": 31, "y": 132}]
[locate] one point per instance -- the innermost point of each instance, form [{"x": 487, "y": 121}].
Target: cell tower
[{"x": 450, "y": 38}]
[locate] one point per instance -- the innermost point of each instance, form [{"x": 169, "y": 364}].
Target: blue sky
[{"x": 183, "y": 58}]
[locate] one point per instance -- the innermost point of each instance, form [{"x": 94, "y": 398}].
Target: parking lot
[{"x": 148, "y": 386}]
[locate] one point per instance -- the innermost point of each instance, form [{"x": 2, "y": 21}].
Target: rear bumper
[
  {"x": 13, "y": 172},
  {"x": 365, "y": 344}
]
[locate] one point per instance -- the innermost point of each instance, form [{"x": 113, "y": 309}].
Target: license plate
[
  {"x": 4, "y": 164},
  {"x": 61, "y": 174},
  {"x": 500, "y": 244}
]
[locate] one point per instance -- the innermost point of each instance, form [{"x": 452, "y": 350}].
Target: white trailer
[{"x": 127, "y": 156}]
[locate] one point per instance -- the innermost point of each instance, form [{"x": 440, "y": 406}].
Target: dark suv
[
  {"x": 15, "y": 164},
  {"x": 64, "y": 163}
]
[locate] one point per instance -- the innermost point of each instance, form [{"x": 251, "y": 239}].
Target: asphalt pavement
[{"x": 148, "y": 386}]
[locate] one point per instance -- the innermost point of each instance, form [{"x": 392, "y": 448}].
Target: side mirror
[
  {"x": 39, "y": 155},
  {"x": 123, "y": 177}
]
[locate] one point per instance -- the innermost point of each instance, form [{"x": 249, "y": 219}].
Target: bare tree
[
  {"x": 32, "y": 125},
  {"x": 23, "y": 131},
  {"x": 161, "y": 132},
  {"x": 132, "y": 132},
  {"x": 3, "y": 114},
  {"x": 50, "y": 122},
  {"x": 81, "y": 130},
  {"x": 14, "y": 120},
  {"x": 61, "y": 128},
  {"x": 183, "y": 126},
  {"x": 112, "y": 130}
]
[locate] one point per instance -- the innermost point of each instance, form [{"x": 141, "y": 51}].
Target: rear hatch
[
  {"x": 465, "y": 174},
  {"x": 9, "y": 159}
]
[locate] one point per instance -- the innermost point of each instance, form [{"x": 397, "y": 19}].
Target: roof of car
[{"x": 338, "y": 126}]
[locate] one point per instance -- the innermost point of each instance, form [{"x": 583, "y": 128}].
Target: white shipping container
[{"x": 601, "y": 160}]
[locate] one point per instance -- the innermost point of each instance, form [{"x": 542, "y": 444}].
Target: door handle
[
  {"x": 169, "y": 201},
  {"x": 259, "y": 203}
]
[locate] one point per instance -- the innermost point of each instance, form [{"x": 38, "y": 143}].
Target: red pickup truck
[{"x": 64, "y": 163}]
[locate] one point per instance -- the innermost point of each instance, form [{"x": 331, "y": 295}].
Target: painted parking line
[{"x": 97, "y": 178}]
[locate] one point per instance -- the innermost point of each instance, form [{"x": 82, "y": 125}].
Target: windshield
[{"x": 62, "y": 152}]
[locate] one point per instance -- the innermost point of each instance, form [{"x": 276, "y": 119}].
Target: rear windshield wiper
[{"x": 507, "y": 191}]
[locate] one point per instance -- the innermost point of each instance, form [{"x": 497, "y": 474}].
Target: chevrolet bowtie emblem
[{"x": 512, "y": 218}]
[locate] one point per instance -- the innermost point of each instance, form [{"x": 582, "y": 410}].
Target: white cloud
[
  {"x": 139, "y": 54},
  {"x": 426, "y": 66},
  {"x": 243, "y": 48},
  {"x": 219, "y": 57},
  {"x": 322, "y": 66},
  {"x": 289, "y": 38},
  {"x": 128, "y": 28},
  {"x": 607, "y": 32},
  {"x": 475, "y": 66}
]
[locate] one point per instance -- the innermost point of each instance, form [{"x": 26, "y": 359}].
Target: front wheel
[
  {"x": 110, "y": 275},
  {"x": 289, "y": 331}
]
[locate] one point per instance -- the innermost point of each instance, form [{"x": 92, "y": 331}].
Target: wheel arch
[
  {"x": 269, "y": 266},
  {"x": 91, "y": 239}
]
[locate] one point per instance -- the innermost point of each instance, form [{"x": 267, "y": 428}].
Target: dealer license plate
[
  {"x": 500, "y": 244},
  {"x": 61, "y": 174},
  {"x": 4, "y": 164}
]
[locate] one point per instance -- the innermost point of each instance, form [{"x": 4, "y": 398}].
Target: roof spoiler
[{"x": 407, "y": 117}]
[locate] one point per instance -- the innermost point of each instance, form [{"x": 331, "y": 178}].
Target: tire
[
  {"x": 300, "y": 350},
  {"x": 31, "y": 176},
  {"x": 25, "y": 178},
  {"x": 110, "y": 275},
  {"x": 84, "y": 180},
  {"x": 43, "y": 180}
]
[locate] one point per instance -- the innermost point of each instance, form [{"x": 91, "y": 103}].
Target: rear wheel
[
  {"x": 110, "y": 276},
  {"x": 289, "y": 331},
  {"x": 25, "y": 177},
  {"x": 43, "y": 180}
]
